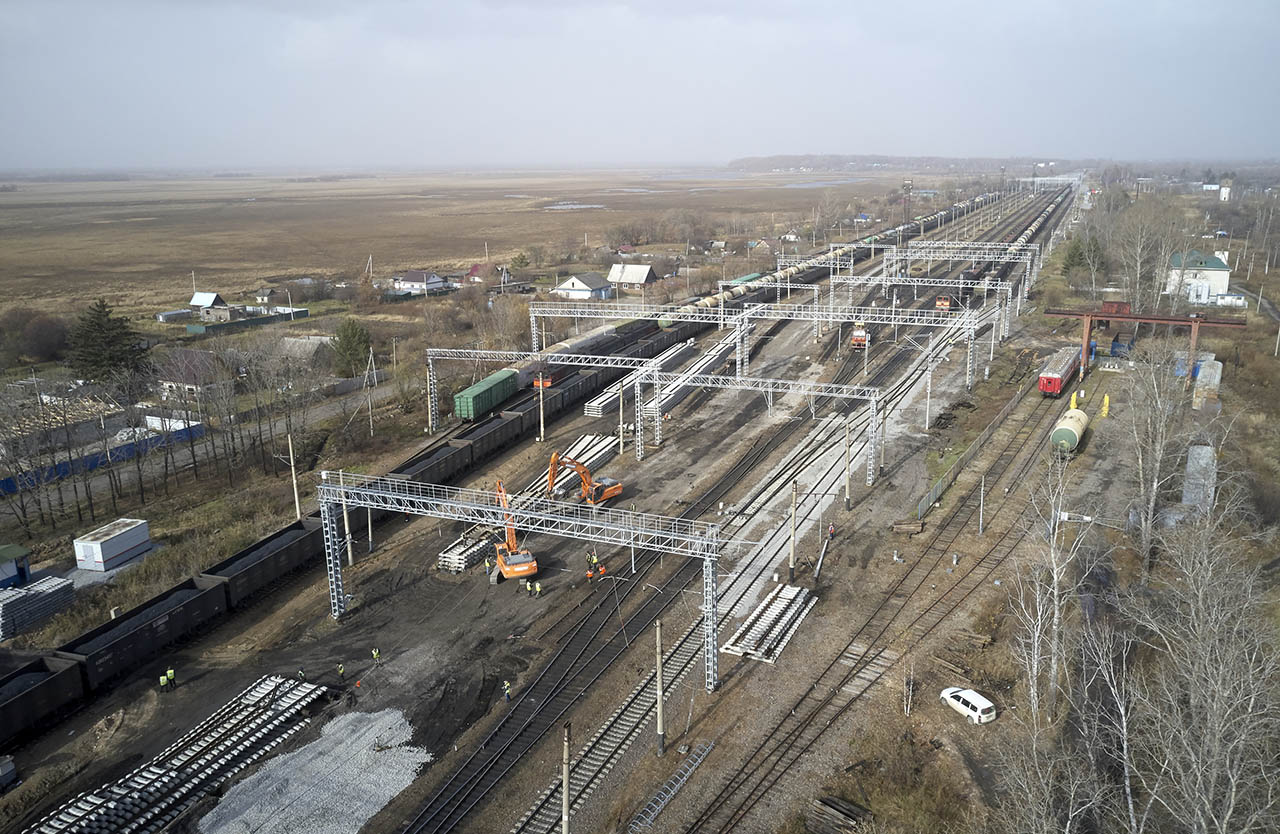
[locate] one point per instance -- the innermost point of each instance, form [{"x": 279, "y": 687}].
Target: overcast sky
[{"x": 374, "y": 83}]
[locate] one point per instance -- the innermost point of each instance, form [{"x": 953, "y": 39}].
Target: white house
[
  {"x": 589, "y": 285},
  {"x": 419, "y": 281},
  {"x": 631, "y": 275},
  {"x": 1201, "y": 278}
]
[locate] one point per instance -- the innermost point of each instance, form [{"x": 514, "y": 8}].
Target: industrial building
[{"x": 1200, "y": 278}]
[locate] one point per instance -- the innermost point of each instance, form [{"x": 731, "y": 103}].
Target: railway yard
[{"x": 785, "y": 514}]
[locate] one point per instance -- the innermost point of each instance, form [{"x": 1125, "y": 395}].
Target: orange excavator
[
  {"x": 514, "y": 562},
  {"x": 593, "y": 492}
]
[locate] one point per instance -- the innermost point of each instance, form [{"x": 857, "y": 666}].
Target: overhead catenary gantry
[
  {"x": 654, "y": 376},
  {"x": 897, "y": 266},
  {"x": 695, "y": 539},
  {"x": 1003, "y": 290}
]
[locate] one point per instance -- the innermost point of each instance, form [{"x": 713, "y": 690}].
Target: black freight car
[
  {"x": 489, "y": 437},
  {"x": 125, "y": 643},
  {"x": 36, "y": 692},
  {"x": 265, "y": 561}
]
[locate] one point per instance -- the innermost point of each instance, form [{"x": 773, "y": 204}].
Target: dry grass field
[{"x": 136, "y": 242}]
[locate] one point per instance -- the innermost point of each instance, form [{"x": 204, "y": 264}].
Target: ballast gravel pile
[{"x": 334, "y": 785}]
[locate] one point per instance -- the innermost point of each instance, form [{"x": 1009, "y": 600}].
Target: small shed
[
  {"x": 584, "y": 287},
  {"x": 268, "y": 295},
  {"x": 15, "y": 565},
  {"x": 173, "y": 315},
  {"x": 113, "y": 544},
  {"x": 1202, "y": 477}
]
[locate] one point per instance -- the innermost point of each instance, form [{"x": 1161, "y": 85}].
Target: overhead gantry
[
  {"x": 652, "y": 375},
  {"x": 647, "y": 531}
]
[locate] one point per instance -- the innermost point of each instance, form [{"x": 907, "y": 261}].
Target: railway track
[
  {"x": 869, "y": 653},
  {"x": 620, "y": 730},
  {"x": 586, "y": 651}
]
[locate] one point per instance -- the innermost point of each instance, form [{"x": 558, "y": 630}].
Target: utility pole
[
  {"x": 791, "y": 562},
  {"x": 346, "y": 526},
  {"x": 541, "y": 399},
  {"x": 662, "y": 730},
  {"x": 293, "y": 473},
  {"x": 982, "y": 501},
  {"x": 621, "y": 432},
  {"x": 848, "y": 469},
  {"x": 564, "y": 780}
]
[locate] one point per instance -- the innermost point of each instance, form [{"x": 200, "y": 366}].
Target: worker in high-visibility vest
[
  {"x": 342, "y": 672},
  {"x": 506, "y": 689},
  {"x": 488, "y": 566},
  {"x": 164, "y": 684},
  {"x": 173, "y": 681},
  {"x": 302, "y": 676},
  {"x": 537, "y": 588},
  {"x": 377, "y": 656}
]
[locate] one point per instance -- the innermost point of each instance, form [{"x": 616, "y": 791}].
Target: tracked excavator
[
  {"x": 514, "y": 562},
  {"x": 593, "y": 492}
]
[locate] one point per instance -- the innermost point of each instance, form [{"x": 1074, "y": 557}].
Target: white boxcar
[{"x": 111, "y": 546}]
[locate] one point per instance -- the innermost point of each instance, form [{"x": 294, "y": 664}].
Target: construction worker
[
  {"x": 528, "y": 587},
  {"x": 342, "y": 672},
  {"x": 302, "y": 676},
  {"x": 377, "y": 657},
  {"x": 173, "y": 682},
  {"x": 537, "y": 588},
  {"x": 164, "y": 684},
  {"x": 590, "y": 574},
  {"x": 506, "y": 689},
  {"x": 488, "y": 566},
  {"x": 600, "y": 570},
  {"x": 831, "y": 530}
]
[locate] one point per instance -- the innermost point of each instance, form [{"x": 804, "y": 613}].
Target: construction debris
[{"x": 831, "y": 815}]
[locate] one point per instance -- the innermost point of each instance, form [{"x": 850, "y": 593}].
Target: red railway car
[{"x": 1058, "y": 371}]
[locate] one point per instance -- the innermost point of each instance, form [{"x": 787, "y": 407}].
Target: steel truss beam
[
  {"x": 694, "y": 539},
  {"x": 659, "y": 379}
]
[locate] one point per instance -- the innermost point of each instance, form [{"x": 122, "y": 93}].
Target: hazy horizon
[{"x": 288, "y": 85}]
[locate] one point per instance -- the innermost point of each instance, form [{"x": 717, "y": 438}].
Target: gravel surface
[
  {"x": 149, "y": 613},
  {"x": 334, "y": 784},
  {"x": 261, "y": 552}
]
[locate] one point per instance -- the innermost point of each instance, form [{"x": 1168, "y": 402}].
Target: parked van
[{"x": 970, "y": 704}]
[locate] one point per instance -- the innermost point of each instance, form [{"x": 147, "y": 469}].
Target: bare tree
[
  {"x": 1153, "y": 417},
  {"x": 1045, "y": 589},
  {"x": 1045, "y": 788},
  {"x": 1209, "y": 706}
]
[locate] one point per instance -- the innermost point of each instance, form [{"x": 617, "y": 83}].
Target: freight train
[{"x": 36, "y": 694}]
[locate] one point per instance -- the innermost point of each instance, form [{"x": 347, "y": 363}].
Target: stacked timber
[
  {"x": 912, "y": 526},
  {"x": 23, "y": 609},
  {"x": 831, "y": 815}
]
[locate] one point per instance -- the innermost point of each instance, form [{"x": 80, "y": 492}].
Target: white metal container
[{"x": 111, "y": 546}]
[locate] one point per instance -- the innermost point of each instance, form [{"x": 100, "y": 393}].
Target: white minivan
[{"x": 970, "y": 704}]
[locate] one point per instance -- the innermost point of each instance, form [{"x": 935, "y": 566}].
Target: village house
[
  {"x": 588, "y": 286},
  {"x": 420, "y": 282},
  {"x": 632, "y": 276},
  {"x": 193, "y": 375},
  {"x": 1200, "y": 278}
]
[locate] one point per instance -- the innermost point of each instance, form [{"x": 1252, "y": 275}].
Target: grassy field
[{"x": 137, "y": 242}]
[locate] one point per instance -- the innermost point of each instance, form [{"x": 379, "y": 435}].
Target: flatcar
[{"x": 1057, "y": 372}]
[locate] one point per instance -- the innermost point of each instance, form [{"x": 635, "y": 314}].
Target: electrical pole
[
  {"x": 541, "y": 419},
  {"x": 848, "y": 468},
  {"x": 791, "y": 562},
  {"x": 621, "y": 432},
  {"x": 662, "y": 730},
  {"x": 564, "y": 776},
  {"x": 293, "y": 473},
  {"x": 346, "y": 526}
]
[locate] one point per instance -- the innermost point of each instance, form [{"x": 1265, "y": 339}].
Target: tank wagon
[
  {"x": 1068, "y": 432},
  {"x": 35, "y": 694}
]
